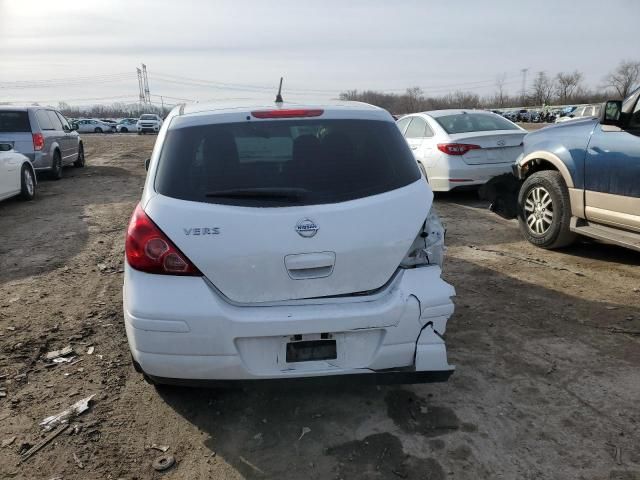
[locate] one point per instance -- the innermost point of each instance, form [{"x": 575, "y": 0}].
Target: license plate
[{"x": 310, "y": 350}]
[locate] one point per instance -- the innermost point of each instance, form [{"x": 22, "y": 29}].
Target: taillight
[
  {"x": 149, "y": 250},
  {"x": 38, "y": 141},
  {"x": 287, "y": 113},
  {"x": 457, "y": 148}
]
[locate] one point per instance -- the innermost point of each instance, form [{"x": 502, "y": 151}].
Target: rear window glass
[
  {"x": 14, "y": 122},
  {"x": 284, "y": 163},
  {"x": 148, "y": 117},
  {"x": 473, "y": 122}
]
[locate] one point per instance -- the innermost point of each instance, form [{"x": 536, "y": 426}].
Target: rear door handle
[{"x": 310, "y": 265}]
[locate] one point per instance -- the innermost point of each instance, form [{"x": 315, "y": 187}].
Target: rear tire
[
  {"x": 56, "y": 166},
  {"x": 544, "y": 210},
  {"x": 98, "y": 130},
  {"x": 79, "y": 163},
  {"x": 27, "y": 183},
  {"x": 124, "y": 130}
]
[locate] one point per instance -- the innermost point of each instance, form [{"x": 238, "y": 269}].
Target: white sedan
[
  {"x": 459, "y": 148},
  {"x": 92, "y": 125},
  {"x": 17, "y": 176}
]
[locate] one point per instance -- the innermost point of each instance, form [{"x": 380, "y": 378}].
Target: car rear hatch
[
  {"x": 278, "y": 209},
  {"x": 495, "y": 146},
  {"x": 15, "y": 129}
]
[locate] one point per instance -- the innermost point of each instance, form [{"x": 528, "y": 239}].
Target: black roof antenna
[{"x": 279, "y": 95}]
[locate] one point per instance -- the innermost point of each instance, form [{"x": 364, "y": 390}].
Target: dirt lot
[{"x": 546, "y": 346}]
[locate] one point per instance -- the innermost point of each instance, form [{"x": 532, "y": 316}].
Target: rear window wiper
[{"x": 276, "y": 193}]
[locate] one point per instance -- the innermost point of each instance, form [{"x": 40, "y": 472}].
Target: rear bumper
[
  {"x": 40, "y": 160},
  {"x": 180, "y": 330},
  {"x": 447, "y": 175}
]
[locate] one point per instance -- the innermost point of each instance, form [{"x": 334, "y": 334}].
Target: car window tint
[
  {"x": 416, "y": 128},
  {"x": 11, "y": 121},
  {"x": 402, "y": 123},
  {"x": 326, "y": 161},
  {"x": 43, "y": 120},
  {"x": 474, "y": 122},
  {"x": 54, "y": 120}
]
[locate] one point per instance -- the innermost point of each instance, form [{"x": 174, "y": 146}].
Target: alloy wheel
[
  {"x": 538, "y": 209},
  {"x": 28, "y": 182}
]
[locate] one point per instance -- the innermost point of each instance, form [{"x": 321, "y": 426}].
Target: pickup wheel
[{"x": 545, "y": 210}]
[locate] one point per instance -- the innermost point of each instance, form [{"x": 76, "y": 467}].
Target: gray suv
[{"x": 44, "y": 136}]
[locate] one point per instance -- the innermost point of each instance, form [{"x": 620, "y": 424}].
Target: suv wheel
[
  {"x": 56, "y": 166},
  {"x": 545, "y": 210},
  {"x": 79, "y": 163},
  {"x": 27, "y": 183}
]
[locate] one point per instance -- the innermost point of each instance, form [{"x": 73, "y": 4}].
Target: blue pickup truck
[{"x": 577, "y": 178}]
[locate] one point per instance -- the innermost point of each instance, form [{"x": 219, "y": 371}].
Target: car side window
[
  {"x": 634, "y": 121},
  {"x": 427, "y": 131},
  {"x": 43, "y": 120},
  {"x": 402, "y": 124},
  {"x": 588, "y": 112},
  {"x": 55, "y": 121},
  {"x": 65, "y": 123},
  {"x": 416, "y": 128}
]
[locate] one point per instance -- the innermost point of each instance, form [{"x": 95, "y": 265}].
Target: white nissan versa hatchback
[{"x": 285, "y": 241}]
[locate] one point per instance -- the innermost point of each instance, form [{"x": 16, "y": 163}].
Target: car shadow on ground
[
  {"x": 486, "y": 233},
  {"x": 496, "y": 339}
]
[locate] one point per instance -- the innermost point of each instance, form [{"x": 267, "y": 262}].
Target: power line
[{"x": 98, "y": 79}]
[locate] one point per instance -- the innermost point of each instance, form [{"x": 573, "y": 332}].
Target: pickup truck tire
[{"x": 544, "y": 210}]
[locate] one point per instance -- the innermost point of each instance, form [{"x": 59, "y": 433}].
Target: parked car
[
  {"x": 581, "y": 112},
  {"x": 149, "y": 123},
  {"x": 523, "y": 115},
  {"x": 578, "y": 178},
  {"x": 44, "y": 136},
  {"x": 111, "y": 123},
  {"x": 127, "y": 125},
  {"x": 17, "y": 175},
  {"x": 462, "y": 148},
  {"x": 93, "y": 125},
  {"x": 345, "y": 277}
]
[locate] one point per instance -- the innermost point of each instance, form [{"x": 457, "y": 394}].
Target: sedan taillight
[
  {"x": 149, "y": 250},
  {"x": 38, "y": 141},
  {"x": 457, "y": 148}
]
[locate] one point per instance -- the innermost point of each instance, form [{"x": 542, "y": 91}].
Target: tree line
[
  {"x": 114, "y": 110},
  {"x": 564, "y": 88}
]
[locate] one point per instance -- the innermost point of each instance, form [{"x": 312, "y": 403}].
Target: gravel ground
[{"x": 546, "y": 346}]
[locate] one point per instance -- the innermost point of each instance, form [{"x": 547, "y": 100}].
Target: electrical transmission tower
[
  {"x": 141, "y": 96},
  {"x": 145, "y": 78},
  {"x": 524, "y": 82}
]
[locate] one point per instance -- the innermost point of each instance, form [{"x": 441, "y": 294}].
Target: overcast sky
[{"x": 86, "y": 51}]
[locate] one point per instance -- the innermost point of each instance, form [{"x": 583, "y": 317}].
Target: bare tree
[
  {"x": 624, "y": 78},
  {"x": 414, "y": 99},
  {"x": 349, "y": 95},
  {"x": 567, "y": 84},
  {"x": 542, "y": 89},
  {"x": 500, "y": 95}
]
